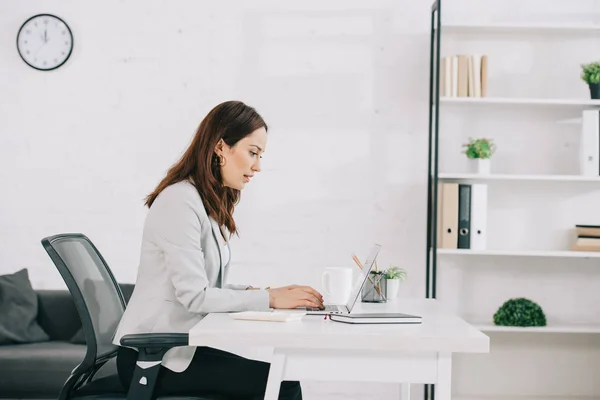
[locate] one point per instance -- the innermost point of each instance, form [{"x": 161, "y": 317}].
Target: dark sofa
[{"x": 38, "y": 370}]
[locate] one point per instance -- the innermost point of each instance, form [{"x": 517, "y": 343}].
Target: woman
[{"x": 185, "y": 257}]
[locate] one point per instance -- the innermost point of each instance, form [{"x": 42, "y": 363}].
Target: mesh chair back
[{"x": 97, "y": 296}]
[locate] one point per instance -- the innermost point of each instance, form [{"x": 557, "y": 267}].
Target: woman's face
[{"x": 242, "y": 160}]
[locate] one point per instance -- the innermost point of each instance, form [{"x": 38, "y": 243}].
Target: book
[
  {"x": 376, "y": 318},
  {"x": 273, "y": 316},
  {"x": 463, "y": 75},
  {"x": 587, "y": 230},
  {"x": 587, "y": 243}
]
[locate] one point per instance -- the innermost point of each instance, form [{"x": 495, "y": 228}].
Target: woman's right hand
[{"x": 295, "y": 296}]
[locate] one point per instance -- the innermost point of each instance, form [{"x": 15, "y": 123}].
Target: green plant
[
  {"x": 590, "y": 73},
  {"x": 395, "y": 273},
  {"x": 520, "y": 312},
  {"x": 479, "y": 148}
]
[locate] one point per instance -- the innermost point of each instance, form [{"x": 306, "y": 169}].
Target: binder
[
  {"x": 440, "y": 212},
  {"x": 479, "y": 199},
  {"x": 464, "y": 216},
  {"x": 590, "y": 143},
  {"x": 448, "y": 221}
]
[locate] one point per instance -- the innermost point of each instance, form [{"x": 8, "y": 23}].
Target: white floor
[{"x": 350, "y": 391}]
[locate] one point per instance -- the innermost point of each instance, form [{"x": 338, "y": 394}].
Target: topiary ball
[{"x": 520, "y": 312}]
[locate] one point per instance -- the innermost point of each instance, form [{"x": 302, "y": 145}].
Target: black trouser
[{"x": 211, "y": 371}]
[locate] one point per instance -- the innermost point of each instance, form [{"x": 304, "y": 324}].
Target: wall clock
[{"x": 45, "y": 42}]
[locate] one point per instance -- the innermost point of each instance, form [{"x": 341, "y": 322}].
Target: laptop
[{"x": 347, "y": 308}]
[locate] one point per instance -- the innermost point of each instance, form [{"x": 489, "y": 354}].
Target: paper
[{"x": 273, "y": 316}]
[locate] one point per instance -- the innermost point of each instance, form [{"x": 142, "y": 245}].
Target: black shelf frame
[
  {"x": 432, "y": 162},
  {"x": 433, "y": 154}
]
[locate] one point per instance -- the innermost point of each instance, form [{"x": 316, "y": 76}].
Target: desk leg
[
  {"x": 275, "y": 376},
  {"x": 405, "y": 391},
  {"x": 443, "y": 387}
]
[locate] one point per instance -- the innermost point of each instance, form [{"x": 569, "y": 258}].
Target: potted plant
[
  {"x": 393, "y": 277},
  {"x": 590, "y": 73},
  {"x": 480, "y": 151},
  {"x": 520, "y": 312}
]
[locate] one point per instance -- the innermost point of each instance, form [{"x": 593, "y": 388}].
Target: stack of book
[
  {"x": 463, "y": 75},
  {"x": 462, "y": 216},
  {"x": 588, "y": 238}
]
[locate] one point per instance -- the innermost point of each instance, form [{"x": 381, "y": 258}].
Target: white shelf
[
  {"x": 520, "y": 101},
  {"x": 551, "y": 328},
  {"x": 524, "y": 398},
  {"x": 519, "y": 28},
  {"x": 521, "y": 253},
  {"x": 517, "y": 177}
]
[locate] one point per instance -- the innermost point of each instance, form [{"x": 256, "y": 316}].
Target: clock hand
[
  {"x": 45, "y": 36},
  {"x": 39, "y": 48}
]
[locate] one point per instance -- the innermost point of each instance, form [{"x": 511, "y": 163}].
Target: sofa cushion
[
  {"x": 19, "y": 310},
  {"x": 58, "y": 316},
  {"x": 37, "y": 369}
]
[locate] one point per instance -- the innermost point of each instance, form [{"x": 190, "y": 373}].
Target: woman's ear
[{"x": 220, "y": 147}]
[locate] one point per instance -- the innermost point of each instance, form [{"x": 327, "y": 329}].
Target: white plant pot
[
  {"x": 480, "y": 166},
  {"x": 392, "y": 286}
]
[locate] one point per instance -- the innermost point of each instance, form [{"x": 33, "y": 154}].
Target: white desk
[{"x": 318, "y": 349}]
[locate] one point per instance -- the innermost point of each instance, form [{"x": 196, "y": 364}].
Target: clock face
[{"x": 45, "y": 42}]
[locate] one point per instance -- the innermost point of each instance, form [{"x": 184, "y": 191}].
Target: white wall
[{"x": 343, "y": 86}]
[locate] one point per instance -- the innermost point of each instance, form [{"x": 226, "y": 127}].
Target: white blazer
[{"x": 180, "y": 277}]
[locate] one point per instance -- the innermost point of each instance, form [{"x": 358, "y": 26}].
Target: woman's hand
[{"x": 295, "y": 296}]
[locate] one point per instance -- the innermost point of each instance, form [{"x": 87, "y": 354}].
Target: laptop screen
[{"x": 364, "y": 273}]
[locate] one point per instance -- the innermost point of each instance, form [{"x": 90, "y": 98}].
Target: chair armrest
[{"x": 155, "y": 340}]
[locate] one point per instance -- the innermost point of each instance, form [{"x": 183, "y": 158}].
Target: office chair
[{"x": 100, "y": 305}]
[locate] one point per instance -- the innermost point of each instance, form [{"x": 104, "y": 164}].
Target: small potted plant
[
  {"x": 393, "y": 277},
  {"x": 590, "y": 73},
  {"x": 480, "y": 151}
]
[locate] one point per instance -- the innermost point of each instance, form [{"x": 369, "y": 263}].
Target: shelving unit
[
  {"x": 435, "y": 176},
  {"x": 529, "y": 398},
  {"x": 520, "y": 101},
  {"x": 521, "y": 253},
  {"x": 520, "y": 28},
  {"x": 551, "y": 328},
  {"x": 516, "y": 177}
]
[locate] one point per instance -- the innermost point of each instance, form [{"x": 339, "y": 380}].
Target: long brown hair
[{"x": 230, "y": 121}]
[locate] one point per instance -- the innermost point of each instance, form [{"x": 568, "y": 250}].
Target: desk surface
[{"x": 440, "y": 331}]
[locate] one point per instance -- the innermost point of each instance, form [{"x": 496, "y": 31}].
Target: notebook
[
  {"x": 274, "y": 316},
  {"x": 370, "y": 318}
]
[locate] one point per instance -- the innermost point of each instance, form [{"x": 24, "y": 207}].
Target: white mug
[{"x": 337, "y": 284}]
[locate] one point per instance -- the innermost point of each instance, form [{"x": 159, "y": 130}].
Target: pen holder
[{"x": 375, "y": 288}]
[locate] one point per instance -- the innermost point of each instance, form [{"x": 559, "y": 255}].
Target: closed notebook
[
  {"x": 370, "y": 318},
  {"x": 273, "y": 316}
]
